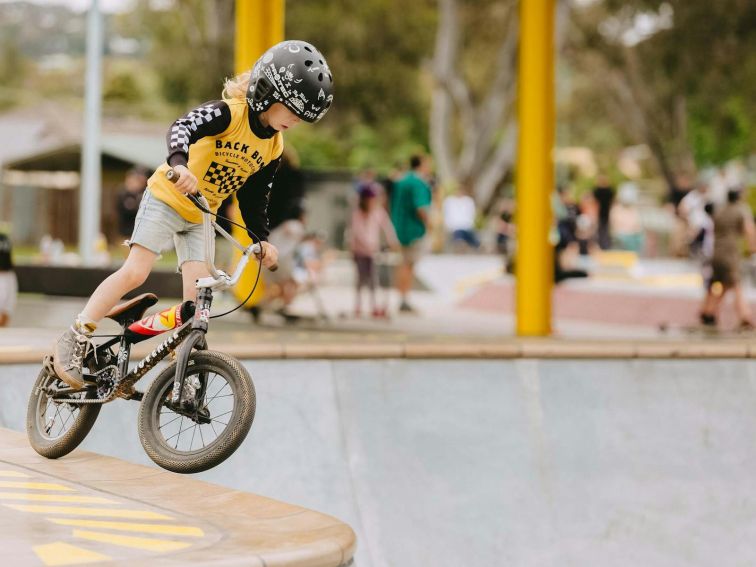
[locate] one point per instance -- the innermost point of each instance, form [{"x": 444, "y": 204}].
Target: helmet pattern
[{"x": 295, "y": 74}]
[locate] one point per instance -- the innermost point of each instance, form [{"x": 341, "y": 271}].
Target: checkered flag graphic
[
  {"x": 180, "y": 132},
  {"x": 223, "y": 176}
]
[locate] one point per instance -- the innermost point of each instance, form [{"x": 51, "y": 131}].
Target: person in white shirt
[
  {"x": 692, "y": 209},
  {"x": 459, "y": 219}
]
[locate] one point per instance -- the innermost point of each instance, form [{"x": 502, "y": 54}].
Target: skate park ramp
[
  {"x": 88, "y": 509},
  {"x": 530, "y": 462}
]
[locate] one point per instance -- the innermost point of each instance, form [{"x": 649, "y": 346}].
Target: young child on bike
[{"x": 222, "y": 147}]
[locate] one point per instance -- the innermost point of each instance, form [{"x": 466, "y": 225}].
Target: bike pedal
[{"x": 89, "y": 379}]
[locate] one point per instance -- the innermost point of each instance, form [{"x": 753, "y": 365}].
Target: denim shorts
[{"x": 156, "y": 223}]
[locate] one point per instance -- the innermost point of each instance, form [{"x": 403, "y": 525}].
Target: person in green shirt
[{"x": 410, "y": 207}]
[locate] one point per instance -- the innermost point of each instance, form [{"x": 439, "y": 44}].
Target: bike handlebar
[{"x": 255, "y": 248}]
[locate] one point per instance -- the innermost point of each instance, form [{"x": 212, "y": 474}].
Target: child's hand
[
  {"x": 187, "y": 183},
  {"x": 270, "y": 254}
]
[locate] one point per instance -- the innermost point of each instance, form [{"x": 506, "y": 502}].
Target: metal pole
[
  {"x": 259, "y": 25},
  {"x": 535, "y": 168},
  {"x": 91, "y": 174}
]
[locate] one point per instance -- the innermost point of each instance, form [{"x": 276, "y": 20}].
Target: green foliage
[
  {"x": 693, "y": 82},
  {"x": 122, "y": 87},
  {"x": 375, "y": 49},
  {"x": 190, "y": 47},
  {"x": 723, "y": 132}
]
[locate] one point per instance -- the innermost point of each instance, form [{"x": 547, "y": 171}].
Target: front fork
[{"x": 196, "y": 339}]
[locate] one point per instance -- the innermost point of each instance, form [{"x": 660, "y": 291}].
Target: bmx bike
[{"x": 196, "y": 412}]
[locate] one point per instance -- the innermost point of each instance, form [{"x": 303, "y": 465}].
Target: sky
[{"x": 81, "y": 5}]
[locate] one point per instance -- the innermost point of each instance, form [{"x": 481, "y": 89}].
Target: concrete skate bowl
[{"x": 529, "y": 462}]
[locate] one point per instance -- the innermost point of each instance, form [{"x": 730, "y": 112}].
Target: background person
[
  {"x": 459, "y": 220},
  {"x": 128, "y": 199},
  {"x": 410, "y": 210},
  {"x": 281, "y": 286},
  {"x": 369, "y": 222},
  {"x": 8, "y": 281},
  {"x": 732, "y": 223},
  {"x": 603, "y": 193},
  {"x": 692, "y": 208},
  {"x": 625, "y": 220}
]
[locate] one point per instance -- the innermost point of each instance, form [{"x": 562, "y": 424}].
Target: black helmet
[{"x": 295, "y": 74}]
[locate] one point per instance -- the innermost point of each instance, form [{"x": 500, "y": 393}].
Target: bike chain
[{"x": 109, "y": 373}]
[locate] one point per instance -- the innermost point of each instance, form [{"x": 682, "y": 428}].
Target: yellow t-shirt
[{"x": 221, "y": 164}]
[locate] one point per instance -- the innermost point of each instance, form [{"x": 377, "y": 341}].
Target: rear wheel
[
  {"x": 194, "y": 440},
  {"x": 55, "y": 428}
]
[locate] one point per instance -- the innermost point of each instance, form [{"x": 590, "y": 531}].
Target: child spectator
[{"x": 369, "y": 221}]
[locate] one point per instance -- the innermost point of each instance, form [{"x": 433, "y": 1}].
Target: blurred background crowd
[{"x": 655, "y": 157}]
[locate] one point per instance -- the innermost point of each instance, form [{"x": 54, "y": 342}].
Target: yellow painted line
[
  {"x": 60, "y": 553},
  {"x": 145, "y": 543},
  {"x": 618, "y": 258},
  {"x": 475, "y": 280},
  {"x": 34, "y": 485},
  {"x": 55, "y": 498},
  {"x": 165, "y": 529},
  {"x": 98, "y": 512},
  {"x": 13, "y": 474}
]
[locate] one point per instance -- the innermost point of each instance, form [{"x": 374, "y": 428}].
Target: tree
[
  {"x": 676, "y": 75},
  {"x": 191, "y": 48},
  {"x": 473, "y": 116},
  {"x": 375, "y": 49}
]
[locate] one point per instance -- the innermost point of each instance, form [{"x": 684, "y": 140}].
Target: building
[{"x": 40, "y": 165}]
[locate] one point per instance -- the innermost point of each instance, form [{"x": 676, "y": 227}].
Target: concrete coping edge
[{"x": 506, "y": 349}]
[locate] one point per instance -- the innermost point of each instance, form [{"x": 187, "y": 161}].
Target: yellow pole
[
  {"x": 535, "y": 169},
  {"x": 259, "y": 25}
]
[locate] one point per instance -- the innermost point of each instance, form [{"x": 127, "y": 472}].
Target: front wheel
[
  {"x": 55, "y": 428},
  {"x": 191, "y": 441}
]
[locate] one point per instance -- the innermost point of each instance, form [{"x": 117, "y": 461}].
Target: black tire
[
  {"x": 156, "y": 440},
  {"x": 47, "y": 439}
]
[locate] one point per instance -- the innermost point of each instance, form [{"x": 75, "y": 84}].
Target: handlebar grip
[
  {"x": 257, "y": 251},
  {"x": 172, "y": 175}
]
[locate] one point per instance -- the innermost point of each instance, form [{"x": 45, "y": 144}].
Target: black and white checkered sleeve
[{"x": 209, "y": 119}]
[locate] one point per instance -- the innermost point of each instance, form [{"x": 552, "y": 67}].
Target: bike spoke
[
  {"x": 201, "y": 437},
  {"x": 225, "y": 385},
  {"x": 63, "y": 428},
  {"x": 211, "y": 383},
  {"x": 55, "y": 419},
  {"x": 217, "y": 395},
  {"x": 171, "y": 421},
  {"x": 191, "y": 443},
  {"x": 179, "y": 433}
]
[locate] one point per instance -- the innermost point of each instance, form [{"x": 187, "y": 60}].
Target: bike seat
[{"x": 132, "y": 310}]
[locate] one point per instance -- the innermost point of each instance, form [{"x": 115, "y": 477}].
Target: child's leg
[
  {"x": 741, "y": 304},
  {"x": 370, "y": 276},
  {"x": 131, "y": 275},
  {"x": 357, "y": 285},
  {"x": 191, "y": 271},
  {"x": 71, "y": 348}
]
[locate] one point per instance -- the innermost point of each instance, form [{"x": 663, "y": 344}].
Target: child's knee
[{"x": 134, "y": 275}]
